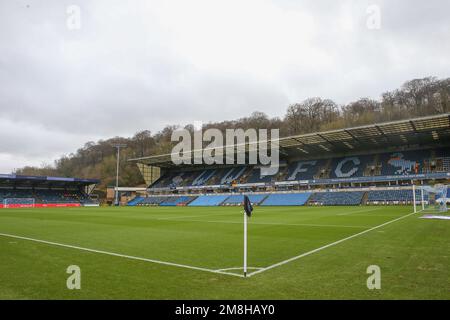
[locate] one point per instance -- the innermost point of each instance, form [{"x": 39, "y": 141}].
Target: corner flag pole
[
  {"x": 245, "y": 244},
  {"x": 247, "y": 213}
]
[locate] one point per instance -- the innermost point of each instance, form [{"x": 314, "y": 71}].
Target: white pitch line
[
  {"x": 121, "y": 255},
  {"x": 327, "y": 246},
  {"x": 272, "y": 223},
  {"x": 238, "y": 268},
  {"x": 357, "y": 211}
]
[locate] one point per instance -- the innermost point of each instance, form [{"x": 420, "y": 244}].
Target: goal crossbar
[{"x": 19, "y": 202}]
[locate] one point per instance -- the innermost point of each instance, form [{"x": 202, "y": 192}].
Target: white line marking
[
  {"x": 327, "y": 246},
  {"x": 120, "y": 255},
  {"x": 238, "y": 268},
  {"x": 357, "y": 211},
  {"x": 377, "y": 215},
  {"x": 272, "y": 223}
]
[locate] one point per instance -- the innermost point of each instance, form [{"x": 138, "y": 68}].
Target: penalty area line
[
  {"x": 328, "y": 245},
  {"x": 121, "y": 255}
]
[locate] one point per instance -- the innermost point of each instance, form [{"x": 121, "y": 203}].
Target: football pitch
[{"x": 197, "y": 253}]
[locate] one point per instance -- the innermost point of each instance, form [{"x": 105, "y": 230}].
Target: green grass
[{"x": 413, "y": 254}]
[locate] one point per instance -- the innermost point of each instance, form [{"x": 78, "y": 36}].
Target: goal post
[
  {"x": 414, "y": 198},
  {"x": 434, "y": 198},
  {"x": 19, "y": 202},
  {"x": 422, "y": 198}
]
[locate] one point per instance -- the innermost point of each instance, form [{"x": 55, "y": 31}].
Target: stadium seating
[
  {"x": 151, "y": 201},
  {"x": 9, "y": 193},
  {"x": 205, "y": 200},
  {"x": 328, "y": 198},
  {"x": 349, "y": 167},
  {"x": 286, "y": 199},
  {"x": 387, "y": 164},
  {"x": 135, "y": 201},
  {"x": 45, "y": 196},
  {"x": 256, "y": 177},
  {"x": 401, "y": 163},
  {"x": 176, "y": 200},
  {"x": 303, "y": 170},
  {"x": 392, "y": 196},
  {"x": 238, "y": 199},
  {"x": 348, "y": 198}
]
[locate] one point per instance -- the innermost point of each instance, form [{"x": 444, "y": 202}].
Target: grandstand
[
  {"x": 338, "y": 197},
  {"x": 18, "y": 191},
  {"x": 375, "y": 164}
]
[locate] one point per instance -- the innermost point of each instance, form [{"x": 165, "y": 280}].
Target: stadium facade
[{"x": 373, "y": 164}]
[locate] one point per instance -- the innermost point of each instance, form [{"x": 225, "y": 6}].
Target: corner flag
[
  {"x": 248, "y": 206},
  {"x": 247, "y": 214}
]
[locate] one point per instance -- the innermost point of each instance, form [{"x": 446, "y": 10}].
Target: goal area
[
  {"x": 431, "y": 198},
  {"x": 19, "y": 203}
]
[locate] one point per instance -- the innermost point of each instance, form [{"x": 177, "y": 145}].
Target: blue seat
[
  {"x": 393, "y": 195},
  {"x": 286, "y": 199},
  {"x": 348, "y": 198},
  {"x": 135, "y": 201},
  {"x": 176, "y": 200},
  {"x": 239, "y": 199},
  {"x": 205, "y": 200}
]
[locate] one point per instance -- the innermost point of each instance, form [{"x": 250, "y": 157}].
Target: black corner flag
[
  {"x": 248, "y": 206},
  {"x": 248, "y": 213}
]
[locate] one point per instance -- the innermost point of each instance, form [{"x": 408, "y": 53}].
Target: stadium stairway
[
  {"x": 177, "y": 201},
  {"x": 135, "y": 201},
  {"x": 364, "y": 198}
]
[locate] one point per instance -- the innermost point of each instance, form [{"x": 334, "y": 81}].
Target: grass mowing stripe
[
  {"x": 196, "y": 216},
  {"x": 328, "y": 245},
  {"x": 412, "y": 252},
  {"x": 357, "y": 211},
  {"x": 119, "y": 255},
  {"x": 269, "y": 223}
]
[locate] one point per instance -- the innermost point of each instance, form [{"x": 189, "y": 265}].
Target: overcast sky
[{"x": 131, "y": 65}]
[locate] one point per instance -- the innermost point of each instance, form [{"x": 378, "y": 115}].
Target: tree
[{"x": 310, "y": 115}]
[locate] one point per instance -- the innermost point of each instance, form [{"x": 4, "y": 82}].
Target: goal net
[
  {"x": 18, "y": 203},
  {"x": 432, "y": 198}
]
